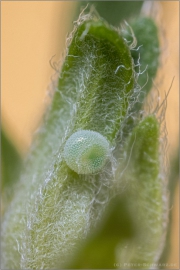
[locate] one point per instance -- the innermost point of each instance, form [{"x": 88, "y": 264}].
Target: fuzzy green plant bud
[
  {"x": 146, "y": 193},
  {"x": 54, "y": 206}
]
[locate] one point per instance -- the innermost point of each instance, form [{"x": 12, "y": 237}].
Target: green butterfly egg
[{"x": 86, "y": 151}]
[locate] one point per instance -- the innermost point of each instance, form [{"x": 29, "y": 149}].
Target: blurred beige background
[
  {"x": 170, "y": 69},
  {"x": 32, "y": 32}
]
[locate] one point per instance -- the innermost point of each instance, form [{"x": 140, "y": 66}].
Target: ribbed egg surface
[{"x": 86, "y": 151}]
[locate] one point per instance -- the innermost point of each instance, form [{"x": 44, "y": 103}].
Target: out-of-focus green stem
[{"x": 11, "y": 163}]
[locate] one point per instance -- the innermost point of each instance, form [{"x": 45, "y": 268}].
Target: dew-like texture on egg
[{"x": 86, "y": 151}]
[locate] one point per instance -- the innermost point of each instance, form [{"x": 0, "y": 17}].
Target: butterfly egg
[{"x": 86, "y": 151}]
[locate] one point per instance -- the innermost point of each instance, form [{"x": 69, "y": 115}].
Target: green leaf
[
  {"x": 115, "y": 12},
  {"x": 54, "y": 207},
  {"x": 101, "y": 63},
  {"x": 146, "y": 58},
  {"x": 146, "y": 193}
]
